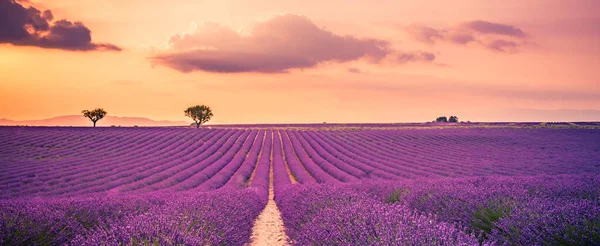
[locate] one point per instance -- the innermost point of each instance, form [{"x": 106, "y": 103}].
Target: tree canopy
[
  {"x": 441, "y": 119},
  {"x": 94, "y": 115},
  {"x": 453, "y": 119},
  {"x": 199, "y": 113}
]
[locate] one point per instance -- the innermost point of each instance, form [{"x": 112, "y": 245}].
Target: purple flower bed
[
  {"x": 217, "y": 218},
  {"x": 346, "y": 186},
  {"x": 339, "y": 215},
  {"x": 550, "y": 210},
  {"x": 66, "y": 162}
]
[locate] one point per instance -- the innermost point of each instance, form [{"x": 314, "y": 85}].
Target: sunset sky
[{"x": 282, "y": 61}]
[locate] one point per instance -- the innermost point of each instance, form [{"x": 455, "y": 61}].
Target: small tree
[
  {"x": 441, "y": 119},
  {"x": 199, "y": 113},
  {"x": 94, "y": 115},
  {"x": 453, "y": 119}
]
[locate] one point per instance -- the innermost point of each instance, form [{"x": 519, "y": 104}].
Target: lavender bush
[
  {"x": 217, "y": 218},
  {"x": 551, "y": 210}
]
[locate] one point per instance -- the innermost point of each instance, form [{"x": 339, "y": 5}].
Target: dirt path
[{"x": 268, "y": 228}]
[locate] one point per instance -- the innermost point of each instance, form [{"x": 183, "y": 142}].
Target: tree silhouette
[
  {"x": 441, "y": 119},
  {"x": 453, "y": 119},
  {"x": 199, "y": 113},
  {"x": 94, "y": 115}
]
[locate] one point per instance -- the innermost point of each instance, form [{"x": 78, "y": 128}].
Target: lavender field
[{"x": 337, "y": 185}]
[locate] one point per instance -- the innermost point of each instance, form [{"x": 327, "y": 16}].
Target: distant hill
[{"x": 78, "y": 120}]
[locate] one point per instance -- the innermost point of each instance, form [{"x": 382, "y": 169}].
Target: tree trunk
[
  {"x": 94, "y": 123},
  {"x": 198, "y": 125}
]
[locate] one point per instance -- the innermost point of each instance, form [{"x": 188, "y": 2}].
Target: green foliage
[
  {"x": 395, "y": 196},
  {"x": 484, "y": 218},
  {"x": 83, "y": 217},
  {"x": 575, "y": 236},
  {"x": 199, "y": 113},
  {"x": 94, "y": 115},
  {"x": 28, "y": 232}
]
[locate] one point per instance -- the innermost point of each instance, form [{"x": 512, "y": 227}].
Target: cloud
[
  {"x": 461, "y": 38},
  {"x": 425, "y": 34},
  {"x": 276, "y": 45},
  {"x": 487, "y": 27},
  {"x": 354, "y": 70},
  {"x": 493, "y": 36},
  {"x": 416, "y": 56},
  {"x": 502, "y": 45},
  {"x": 31, "y": 27}
]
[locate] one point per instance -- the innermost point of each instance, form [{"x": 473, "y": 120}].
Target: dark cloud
[
  {"x": 232, "y": 61},
  {"x": 32, "y": 27},
  {"x": 276, "y": 45},
  {"x": 494, "y": 36}
]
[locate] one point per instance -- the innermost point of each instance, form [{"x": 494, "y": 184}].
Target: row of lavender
[
  {"x": 70, "y": 162},
  {"x": 223, "y": 217},
  {"x": 540, "y": 210},
  {"x": 157, "y": 160}
]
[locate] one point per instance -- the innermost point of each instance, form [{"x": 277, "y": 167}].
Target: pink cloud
[
  {"x": 502, "y": 45},
  {"x": 487, "y": 27},
  {"x": 354, "y": 70},
  {"x": 415, "y": 56},
  {"x": 276, "y": 45},
  {"x": 494, "y": 36},
  {"x": 425, "y": 34}
]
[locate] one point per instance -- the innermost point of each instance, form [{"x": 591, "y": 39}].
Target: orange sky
[{"x": 279, "y": 61}]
